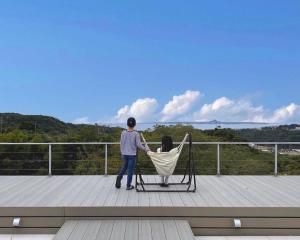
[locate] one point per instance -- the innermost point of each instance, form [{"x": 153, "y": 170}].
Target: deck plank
[
  {"x": 154, "y": 199},
  {"x": 157, "y": 230},
  {"x": 282, "y": 187},
  {"x": 105, "y": 230},
  {"x": 239, "y": 190},
  {"x": 219, "y": 193},
  {"x": 113, "y": 195},
  {"x": 123, "y": 197},
  {"x": 61, "y": 195},
  {"x": 243, "y": 190},
  {"x": 228, "y": 192},
  {"x": 273, "y": 192},
  {"x": 13, "y": 187},
  {"x": 103, "y": 191},
  {"x": 132, "y": 230},
  {"x": 144, "y": 198},
  {"x": 118, "y": 231},
  {"x": 165, "y": 198},
  {"x": 92, "y": 230},
  {"x": 79, "y": 231},
  {"x": 145, "y": 230},
  {"x": 32, "y": 193},
  {"x": 8, "y": 182},
  {"x": 65, "y": 232},
  {"x": 80, "y": 193},
  {"x": 170, "y": 230},
  {"x": 257, "y": 187},
  {"x": 211, "y": 197},
  {"x": 98, "y": 186},
  {"x": 125, "y": 229},
  {"x": 18, "y": 195},
  {"x": 249, "y": 191},
  {"x": 184, "y": 230},
  {"x": 186, "y": 199},
  {"x": 46, "y": 192}
]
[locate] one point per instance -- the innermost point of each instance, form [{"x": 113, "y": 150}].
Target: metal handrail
[{"x": 105, "y": 144}]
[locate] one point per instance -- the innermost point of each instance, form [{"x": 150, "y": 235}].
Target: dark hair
[
  {"x": 166, "y": 143},
  {"x": 131, "y": 122}
]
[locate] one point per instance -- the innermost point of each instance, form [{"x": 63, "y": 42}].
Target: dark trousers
[{"x": 128, "y": 165}]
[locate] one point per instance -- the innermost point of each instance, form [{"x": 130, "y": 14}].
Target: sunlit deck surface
[
  {"x": 266, "y": 205},
  {"x": 126, "y": 229},
  {"x": 99, "y": 191}
]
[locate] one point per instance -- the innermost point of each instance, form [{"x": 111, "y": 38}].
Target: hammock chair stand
[{"x": 188, "y": 179}]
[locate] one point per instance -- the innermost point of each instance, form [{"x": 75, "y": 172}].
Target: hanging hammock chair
[{"x": 165, "y": 162}]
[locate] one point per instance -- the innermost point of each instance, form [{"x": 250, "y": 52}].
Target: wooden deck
[
  {"x": 89, "y": 191},
  {"x": 265, "y": 204},
  {"x": 125, "y": 230}
]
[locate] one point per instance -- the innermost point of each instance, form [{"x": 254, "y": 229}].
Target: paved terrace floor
[{"x": 212, "y": 191}]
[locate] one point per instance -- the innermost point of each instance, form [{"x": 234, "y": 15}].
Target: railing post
[
  {"x": 276, "y": 161},
  {"x": 105, "y": 164},
  {"x": 218, "y": 160},
  {"x": 50, "y": 160}
]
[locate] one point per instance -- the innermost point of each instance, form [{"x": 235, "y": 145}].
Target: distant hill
[
  {"x": 39, "y": 124},
  {"x": 33, "y": 123},
  {"x": 44, "y": 125},
  {"x": 283, "y": 133}
]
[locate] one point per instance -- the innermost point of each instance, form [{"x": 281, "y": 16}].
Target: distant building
[
  {"x": 262, "y": 148},
  {"x": 296, "y": 129}
]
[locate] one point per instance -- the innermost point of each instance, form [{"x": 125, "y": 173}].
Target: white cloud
[
  {"x": 179, "y": 108},
  {"x": 216, "y": 106},
  {"x": 179, "y": 105},
  {"x": 81, "y": 120},
  {"x": 286, "y": 114},
  {"x": 142, "y": 109},
  {"x": 225, "y": 109}
]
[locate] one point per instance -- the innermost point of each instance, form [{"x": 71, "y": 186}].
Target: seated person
[{"x": 166, "y": 146}]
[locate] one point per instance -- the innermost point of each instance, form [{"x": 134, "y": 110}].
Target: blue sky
[{"x": 84, "y": 61}]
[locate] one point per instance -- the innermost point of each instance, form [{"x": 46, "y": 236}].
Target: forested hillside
[
  {"x": 283, "y": 133},
  {"x": 89, "y": 159},
  {"x": 34, "y": 128}
]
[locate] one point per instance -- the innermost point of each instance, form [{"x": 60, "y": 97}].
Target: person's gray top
[{"x": 130, "y": 141}]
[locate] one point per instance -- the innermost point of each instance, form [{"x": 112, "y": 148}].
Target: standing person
[
  {"x": 166, "y": 146},
  {"x": 130, "y": 141}
]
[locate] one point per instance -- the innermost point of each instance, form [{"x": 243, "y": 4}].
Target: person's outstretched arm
[
  {"x": 121, "y": 141},
  {"x": 139, "y": 144}
]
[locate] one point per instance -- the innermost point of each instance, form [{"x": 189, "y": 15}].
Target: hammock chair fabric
[{"x": 165, "y": 162}]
